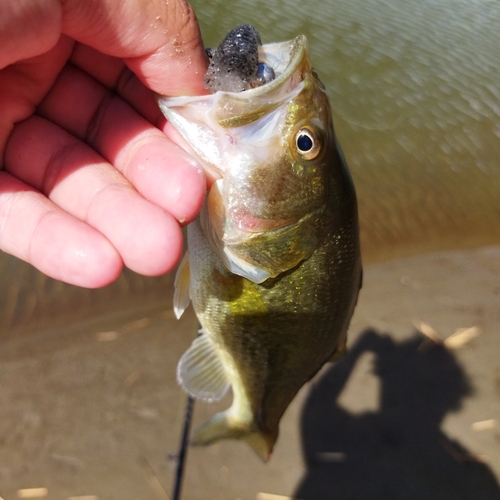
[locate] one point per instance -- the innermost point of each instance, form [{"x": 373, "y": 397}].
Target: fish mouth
[
  {"x": 237, "y": 109},
  {"x": 204, "y": 122}
]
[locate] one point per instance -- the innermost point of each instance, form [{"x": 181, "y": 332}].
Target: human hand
[{"x": 87, "y": 181}]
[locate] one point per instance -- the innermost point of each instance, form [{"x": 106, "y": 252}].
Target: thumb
[{"x": 159, "y": 40}]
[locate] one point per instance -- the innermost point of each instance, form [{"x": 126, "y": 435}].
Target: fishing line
[{"x": 181, "y": 456}]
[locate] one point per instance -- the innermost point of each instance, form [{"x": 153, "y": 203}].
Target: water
[{"x": 416, "y": 102}]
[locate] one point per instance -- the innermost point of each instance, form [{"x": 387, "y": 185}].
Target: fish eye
[{"x": 307, "y": 143}]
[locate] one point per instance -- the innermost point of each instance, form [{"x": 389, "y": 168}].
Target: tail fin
[{"x": 223, "y": 426}]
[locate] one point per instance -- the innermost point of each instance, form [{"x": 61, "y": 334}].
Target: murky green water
[
  {"x": 415, "y": 91},
  {"x": 416, "y": 99}
]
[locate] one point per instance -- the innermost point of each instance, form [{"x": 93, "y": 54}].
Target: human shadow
[{"x": 398, "y": 452}]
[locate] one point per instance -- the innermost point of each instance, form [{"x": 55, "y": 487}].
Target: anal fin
[{"x": 224, "y": 426}]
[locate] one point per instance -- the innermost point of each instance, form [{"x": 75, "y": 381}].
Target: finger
[
  {"x": 37, "y": 231},
  {"x": 79, "y": 181},
  {"x": 23, "y": 85},
  {"x": 161, "y": 171},
  {"x": 115, "y": 75},
  {"x": 160, "y": 41},
  {"x": 28, "y": 28}
]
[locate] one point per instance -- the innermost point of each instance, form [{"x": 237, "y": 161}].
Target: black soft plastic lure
[{"x": 234, "y": 65}]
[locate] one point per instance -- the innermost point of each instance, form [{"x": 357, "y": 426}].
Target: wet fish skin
[{"x": 274, "y": 261}]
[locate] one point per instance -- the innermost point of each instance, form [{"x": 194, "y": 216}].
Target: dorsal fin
[{"x": 200, "y": 371}]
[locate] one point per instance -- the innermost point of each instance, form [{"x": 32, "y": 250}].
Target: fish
[{"x": 273, "y": 266}]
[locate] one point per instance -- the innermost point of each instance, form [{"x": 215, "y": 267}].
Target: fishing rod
[{"x": 182, "y": 454}]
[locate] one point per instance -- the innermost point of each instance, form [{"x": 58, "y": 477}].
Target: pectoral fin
[
  {"x": 181, "y": 287},
  {"x": 213, "y": 220},
  {"x": 200, "y": 371}
]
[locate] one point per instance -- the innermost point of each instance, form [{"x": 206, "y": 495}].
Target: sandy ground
[{"x": 94, "y": 411}]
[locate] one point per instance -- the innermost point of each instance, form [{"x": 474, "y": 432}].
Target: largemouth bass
[{"x": 274, "y": 268}]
